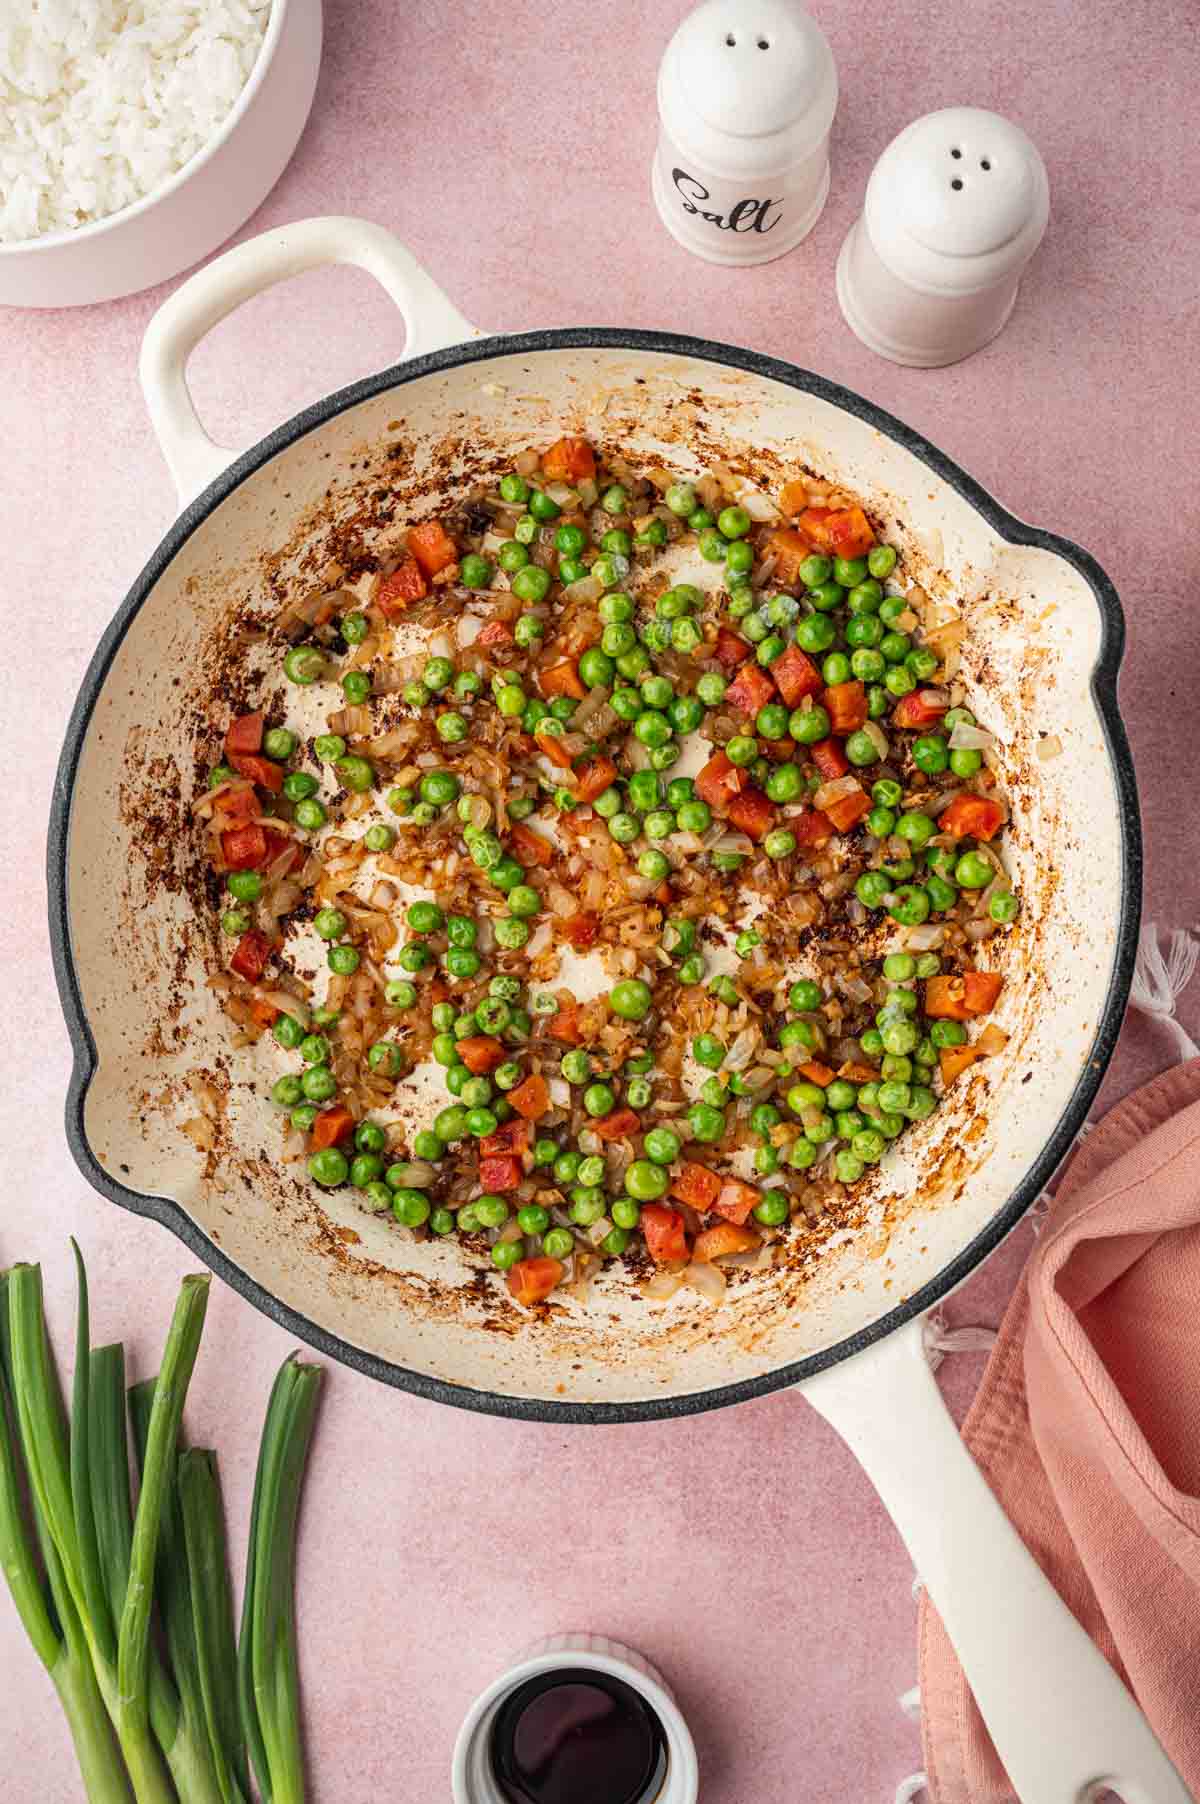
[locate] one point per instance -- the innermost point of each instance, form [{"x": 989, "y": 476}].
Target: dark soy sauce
[{"x": 578, "y": 1737}]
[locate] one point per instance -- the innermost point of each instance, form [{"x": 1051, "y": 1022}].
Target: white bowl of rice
[{"x": 137, "y": 135}]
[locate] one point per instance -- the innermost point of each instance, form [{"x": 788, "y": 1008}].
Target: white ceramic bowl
[
  {"x": 471, "y": 1774},
  {"x": 202, "y": 204}
]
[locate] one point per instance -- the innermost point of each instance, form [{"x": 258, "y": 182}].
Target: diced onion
[
  {"x": 661, "y": 1286},
  {"x": 742, "y": 1050},
  {"x": 878, "y": 737},
  {"x": 760, "y": 507},
  {"x": 835, "y": 790},
  {"x": 993, "y": 1039},
  {"x": 1049, "y": 746},
  {"x": 971, "y": 739},
  {"x": 706, "y": 1278},
  {"x": 926, "y": 938},
  {"x": 588, "y": 588}
]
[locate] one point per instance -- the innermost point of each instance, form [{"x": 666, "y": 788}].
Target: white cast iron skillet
[{"x": 133, "y": 939}]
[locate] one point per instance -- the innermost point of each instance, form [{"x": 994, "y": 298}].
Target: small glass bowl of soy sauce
[{"x": 579, "y": 1720}]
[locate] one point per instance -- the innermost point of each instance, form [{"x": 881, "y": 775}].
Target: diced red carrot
[
  {"x": 529, "y": 847},
  {"x": 696, "y": 1185},
  {"x": 238, "y": 805},
  {"x": 263, "y": 771},
  {"x": 265, "y": 1013},
  {"x": 432, "y": 546},
  {"x": 818, "y": 1073},
  {"x": 244, "y": 848},
  {"x": 725, "y": 1238},
  {"x": 531, "y": 1098},
  {"x": 814, "y": 524},
  {"x": 731, "y": 649},
  {"x": 480, "y": 1053},
  {"x": 500, "y": 1174},
  {"x": 950, "y": 998},
  {"x": 665, "y": 1231},
  {"x": 812, "y": 828},
  {"x": 789, "y": 548},
  {"x": 973, "y": 817},
  {"x": 562, "y": 679},
  {"x": 496, "y": 632},
  {"x": 398, "y": 591},
  {"x": 330, "y": 1126},
  {"x": 277, "y": 845},
  {"x": 565, "y": 1026},
  {"x": 846, "y": 705},
  {"x": 581, "y": 929},
  {"x": 552, "y": 745},
  {"x": 752, "y": 812},
  {"x": 982, "y": 989},
  {"x": 920, "y": 708},
  {"x": 531, "y": 1280},
  {"x": 720, "y": 781},
  {"x": 847, "y": 811},
  {"x": 509, "y": 1137},
  {"x": 854, "y": 1073},
  {"x": 954, "y": 1060},
  {"x": 621, "y": 1124},
  {"x": 850, "y": 533},
  {"x": 750, "y": 690},
  {"x": 245, "y": 733},
  {"x": 796, "y": 676},
  {"x": 793, "y": 497},
  {"x": 736, "y": 1200},
  {"x": 830, "y": 759},
  {"x": 250, "y": 958},
  {"x": 569, "y": 460},
  {"x": 592, "y": 778}
]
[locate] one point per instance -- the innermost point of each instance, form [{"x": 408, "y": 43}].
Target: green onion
[{"x": 267, "y": 1667}]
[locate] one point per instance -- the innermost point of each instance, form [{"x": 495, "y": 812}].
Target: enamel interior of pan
[{"x": 136, "y": 940}]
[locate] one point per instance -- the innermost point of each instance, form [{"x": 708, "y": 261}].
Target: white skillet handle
[
  {"x": 1061, "y": 1720},
  {"x": 221, "y": 286}
]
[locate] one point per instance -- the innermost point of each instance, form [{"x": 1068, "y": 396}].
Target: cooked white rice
[{"x": 101, "y": 101}]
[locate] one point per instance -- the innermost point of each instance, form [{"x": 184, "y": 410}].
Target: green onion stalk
[{"x": 149, "y": 1728}]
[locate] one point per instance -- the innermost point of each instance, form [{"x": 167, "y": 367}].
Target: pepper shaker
[
  {"x": 747, "y": 91},
  {"x": 954, "y": 209}
]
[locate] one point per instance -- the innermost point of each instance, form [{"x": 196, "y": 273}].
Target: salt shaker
[
  {"x": 747, "y": 90},
  {"x": 955, "y": 207}
]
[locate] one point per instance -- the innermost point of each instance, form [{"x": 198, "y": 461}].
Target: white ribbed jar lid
[
  {"x": 958, "y": 202},
  {"x": 757, "y": 70}
]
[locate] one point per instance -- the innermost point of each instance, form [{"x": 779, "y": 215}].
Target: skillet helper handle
[
  {"x": 205, "y": 299},
  {"x": 1062, "y": 1721}
]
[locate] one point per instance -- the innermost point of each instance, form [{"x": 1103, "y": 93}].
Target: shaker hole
[
  {"x": 956, "y": 184},
  {"x": 730, "y": 39},
  {"x": 956, "y": 152},
  {"x": 984, "y": 163},
  {"x": 764, "y": 43}
]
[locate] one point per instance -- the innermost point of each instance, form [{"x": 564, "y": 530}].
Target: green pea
[
  {"x": 342, "y": 960},
  {"x": 922, "y": 662},
  {"x": 815, "y": 633},
  {"x": 821, "y": 1129},
  {"x": 802, "y": 1154},
  {"x": 895, "y": 647},
  {"x": 942, "y": 895},
  {"x": 481, "y": 1122},
  {"x": 303, "y": 664},
  {"x": 827, "y": 597},
  {"x": 318, "y": 1083},
  {"x": 681, "y": 498},
  {"x": 850, "y": 570},
  {"x": 899, "y": 680},
  {"x": 624, "y": 828},
  {"x": 917, "y": 828},
  {"x": 599, "y": 1099},
  {"x": 865, "y": 597},
  {"x": 930, "y": 754},
  {"x": 779, "y": 843},
  {"x": 871, "y": 888},
  {"x": 286, "y": 1091},
  {"x": 652, "y": 728},
  {"x": 356, "y": 687},
  {"x": 809, "y": 725},
  {"x": 864, "y": 629},
  {"x": 645, "y": 1181},
  {"x": 705, "y": 1122},
  {"x": 328, "y": 1167},
  {"x": 973, "y": 871},
  {"x": 691, "y": 969},
  {"x": 772, "y": 721},
  {"x": 815, "y": 570},
  {"x": 400, "y": 993},
  {"x": 708, "y": 1050},
  {"x": 861, "y": 749},
  {"x": 734, "y": 522},
  {"x": 739, "y": 558},
  {"x": 1003, "y": 907},
  {"x": 653, "y": 864},
  {"x": 867, "y": 665},
  {"x": 836, "y": 667},
  {"x": 700, "y": 519},
  {"x": 639, "y": 1092}
]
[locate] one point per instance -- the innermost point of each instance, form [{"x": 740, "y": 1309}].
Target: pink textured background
[{"x": 510, "y": 147}]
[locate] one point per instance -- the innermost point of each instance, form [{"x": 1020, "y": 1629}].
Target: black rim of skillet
[{"x": 1104, "y": 692}]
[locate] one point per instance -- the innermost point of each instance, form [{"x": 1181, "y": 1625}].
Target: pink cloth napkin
[{"x": 1087, "y": 1427}]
